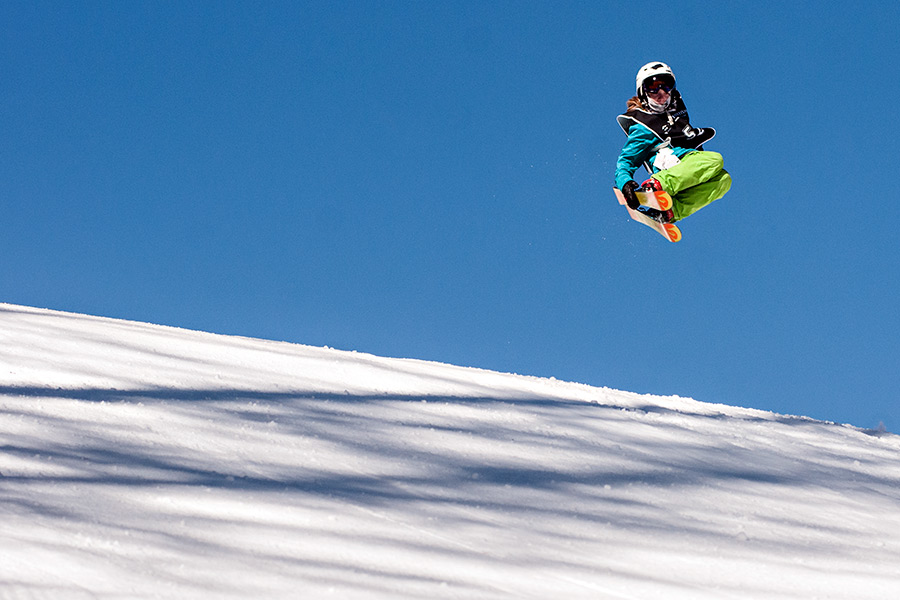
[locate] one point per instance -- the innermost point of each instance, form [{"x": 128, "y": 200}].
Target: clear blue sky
[{"x": 433, "y": 180}]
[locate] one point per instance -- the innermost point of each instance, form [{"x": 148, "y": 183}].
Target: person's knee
[
  {"x": 716, "y": 160},
  {"x": 726, "y": 181}
]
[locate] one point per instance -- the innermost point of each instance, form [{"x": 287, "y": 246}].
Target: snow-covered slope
[{"x": 139, "y": 461}]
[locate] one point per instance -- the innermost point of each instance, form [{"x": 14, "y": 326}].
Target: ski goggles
[{"x": 654, "y": 87}]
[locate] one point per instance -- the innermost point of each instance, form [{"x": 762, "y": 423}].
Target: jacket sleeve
[{"x": 638, "y": 149}]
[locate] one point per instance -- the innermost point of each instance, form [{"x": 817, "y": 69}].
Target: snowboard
[{"x": 660, "y": 200}]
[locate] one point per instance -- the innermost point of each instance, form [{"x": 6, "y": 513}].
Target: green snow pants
[{"x": 698, "y": 180}]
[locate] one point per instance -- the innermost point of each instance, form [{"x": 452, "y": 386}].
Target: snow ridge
[{"x": 146, "y": 461}]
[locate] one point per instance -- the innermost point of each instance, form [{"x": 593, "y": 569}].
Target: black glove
[{"x": 631, "y": 199}]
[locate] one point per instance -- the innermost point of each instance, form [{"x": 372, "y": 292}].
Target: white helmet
[{"x": 650, "y": 70}]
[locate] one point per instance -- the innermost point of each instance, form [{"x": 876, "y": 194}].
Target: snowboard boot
[
  {"x": 663, "y": 216},
  {"x": 651, "y": 185}
]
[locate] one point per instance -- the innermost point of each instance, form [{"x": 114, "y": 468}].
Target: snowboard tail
[{"x": 658, "y": 200}]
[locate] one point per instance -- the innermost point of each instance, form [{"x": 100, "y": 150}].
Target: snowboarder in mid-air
[{"x": 683, "y": 177}]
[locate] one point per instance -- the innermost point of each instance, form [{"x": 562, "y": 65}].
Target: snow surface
[{"x": 140, "y": 461}]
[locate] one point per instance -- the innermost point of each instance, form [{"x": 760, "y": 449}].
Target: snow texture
[{"x": 140, "y": 461}]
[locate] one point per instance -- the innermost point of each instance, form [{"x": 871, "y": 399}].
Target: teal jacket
[{"x": 641, "y": 146}]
